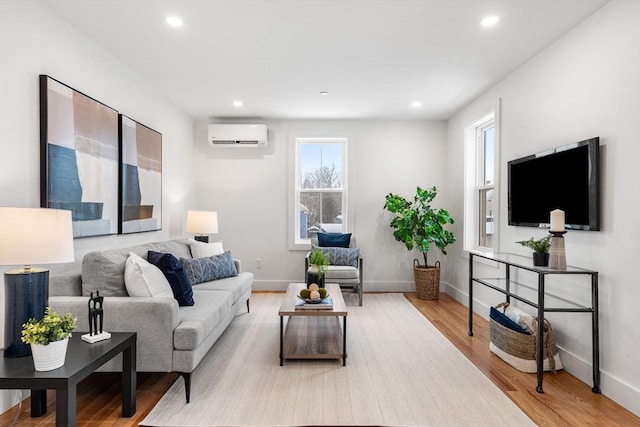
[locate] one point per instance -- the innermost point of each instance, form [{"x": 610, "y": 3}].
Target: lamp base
[
  {"x": 202, "y": 238},
  {"x": 26, "y": 296}
]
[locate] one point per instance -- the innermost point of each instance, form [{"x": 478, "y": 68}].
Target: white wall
[
  {"x": 586, "y": 84},
  {"x": 250, "y": 191},
  {"x": 33, "y": 41}
]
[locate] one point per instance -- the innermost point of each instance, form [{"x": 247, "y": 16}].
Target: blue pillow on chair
[
  {"x": 175, "y": 274},
  {"x": 334, "y": 240}
]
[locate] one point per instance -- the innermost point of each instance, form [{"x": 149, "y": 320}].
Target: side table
[{"x": 82, "y": 359}]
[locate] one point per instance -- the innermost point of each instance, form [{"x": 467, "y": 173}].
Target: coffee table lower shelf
[{"x": 313, "y": 337}]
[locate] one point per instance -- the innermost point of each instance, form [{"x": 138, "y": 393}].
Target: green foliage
[
  {"x": 540, "y": 246},
  {"x": 323, "y": 292},
  {"x": 319, "y": 259},
  {"x": 304, "y": 293},
  {"x": 417, "y": 224},
  {"x": 51, "y": 328}
]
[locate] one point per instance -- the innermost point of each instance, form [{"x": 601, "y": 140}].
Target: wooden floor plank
[{"x": 566, "y": 402}]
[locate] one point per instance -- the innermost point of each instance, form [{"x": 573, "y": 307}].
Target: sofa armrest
[
  {"x": 238, "y": 265},
  {"x": 154, "y": 320}
]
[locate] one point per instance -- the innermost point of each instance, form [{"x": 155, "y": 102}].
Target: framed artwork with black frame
[
  {"x": 79, "y": 158},
  {"x": 140, "y": 177}
]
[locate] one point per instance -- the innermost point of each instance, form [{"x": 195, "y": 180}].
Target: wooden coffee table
[{"x": 313, "y": 333}]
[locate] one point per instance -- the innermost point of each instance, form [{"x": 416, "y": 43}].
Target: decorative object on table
[
  {"x": 79, "y": 158},
  {"x": 418, "y": 225},
  {"x": 540, "y": 250},
  {"x": 517, "y": 345},
  {"x": 30, "y": 235},
  {"x": 313, "y": 294},
  {"x": 96, "y": 314},
  {"x": 48, "y": 338},
  {"x": 557, "y": 258},
  {"x": 140, "y": 162},
  {"x": 202, "y": 223},
  {"x": 318, "y": 262}
]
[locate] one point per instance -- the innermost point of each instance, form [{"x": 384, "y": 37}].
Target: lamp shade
[
  {"x": 35, "y": 236},
  {"x": 202, "y": 222}
]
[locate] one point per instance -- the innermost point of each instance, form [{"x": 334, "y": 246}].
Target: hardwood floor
[{"x": 566, "y": 401}]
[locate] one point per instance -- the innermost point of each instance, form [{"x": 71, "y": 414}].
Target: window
[
  {"x": 480, "y": 181},
  {"x": 320, "y": 187}
]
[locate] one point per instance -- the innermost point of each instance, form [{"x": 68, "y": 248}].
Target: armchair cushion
[
  {"x": 342, "y": 256},
  {"x": 340, "y": 240}
]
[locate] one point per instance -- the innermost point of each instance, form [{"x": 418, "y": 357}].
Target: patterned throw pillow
[
  {"x": 211, "y": 268},
  {"x": 342, "y": 256}
]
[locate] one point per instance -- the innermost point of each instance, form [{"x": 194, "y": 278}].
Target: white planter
[{"x": 51, "y": 356}]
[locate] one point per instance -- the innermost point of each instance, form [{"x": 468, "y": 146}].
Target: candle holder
[{"x": 557, "y": 256}]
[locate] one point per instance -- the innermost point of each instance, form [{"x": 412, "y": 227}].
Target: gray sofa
[{"x": 170, "y": 338}]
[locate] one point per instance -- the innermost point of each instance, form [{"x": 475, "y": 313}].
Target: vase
[
  {"x": 51, "y": 356},
  {"x": 313, "y": 276}
]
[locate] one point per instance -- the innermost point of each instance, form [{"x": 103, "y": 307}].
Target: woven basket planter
[{"x": 427, "y": 281}]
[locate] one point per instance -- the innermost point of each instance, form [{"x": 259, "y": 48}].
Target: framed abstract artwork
[
  {"x": 79, "y": 158},
  {"x": 140, "y": 177}
]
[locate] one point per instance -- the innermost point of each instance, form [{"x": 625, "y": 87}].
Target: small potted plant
[
  {"x": 318, "y": 263},
  {"x": 49, "y": 338},
  {"x": 540, "y": 250}
]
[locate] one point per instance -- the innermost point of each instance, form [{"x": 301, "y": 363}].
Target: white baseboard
[{"x": 612, "y": 387}]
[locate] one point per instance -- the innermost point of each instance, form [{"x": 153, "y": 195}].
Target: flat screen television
[{"x": 565, "y": 178}]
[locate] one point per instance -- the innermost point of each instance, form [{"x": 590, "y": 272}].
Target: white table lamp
[
  {"x": 201, "y": 223},
  {"x": 30, "y": 236}
]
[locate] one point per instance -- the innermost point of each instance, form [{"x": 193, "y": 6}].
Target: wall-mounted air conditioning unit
[{"x": 238, "y": 136}]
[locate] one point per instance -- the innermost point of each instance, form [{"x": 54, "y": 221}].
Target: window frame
[
  {"x": 474, "y": 167},
  {"x": 295, "y": 242}
]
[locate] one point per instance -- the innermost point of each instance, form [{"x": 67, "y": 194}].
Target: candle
[{"x": 557, "y": 220}]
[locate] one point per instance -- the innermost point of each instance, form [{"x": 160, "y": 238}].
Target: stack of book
[{"x": 325, "y": 304}]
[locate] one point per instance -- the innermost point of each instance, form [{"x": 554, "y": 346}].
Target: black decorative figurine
[{"x": 96, "y": 315}]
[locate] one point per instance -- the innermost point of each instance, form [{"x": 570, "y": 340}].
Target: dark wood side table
[{"x": 82, "y": 359}]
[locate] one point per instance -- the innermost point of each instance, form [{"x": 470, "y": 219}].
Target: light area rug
[{"x": 401, "y": 371}]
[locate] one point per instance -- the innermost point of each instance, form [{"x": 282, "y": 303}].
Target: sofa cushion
[
  {"x": 204, "y": 250},
  {"x": 237, "y": 285},
  {"x": 104, "y": 270},
  {"x": 197, "y": 321},
  {"x": 340, "y": 240},
  {"x": 143, "y": 279},
  {"x": 211, "y": 268},
  {"x": 173, "y": 270}
]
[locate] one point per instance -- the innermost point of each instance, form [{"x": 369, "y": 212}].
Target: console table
[
  {"x": 82, "y": 359},
  {"x": 503, "y": 285}
]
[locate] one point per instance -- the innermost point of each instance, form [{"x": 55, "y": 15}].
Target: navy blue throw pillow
[
  {"x": 334, "y": 240},
  {"x": 177, "y": 277},
  {"x": 502, "y": 319}
]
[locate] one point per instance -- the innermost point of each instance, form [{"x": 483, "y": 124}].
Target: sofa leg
[
  {"x": 248, "y": 310},
  {"x": 187, "y": 384}
]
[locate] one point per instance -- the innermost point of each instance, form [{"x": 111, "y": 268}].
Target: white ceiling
[{"x": 373, "y": 57}]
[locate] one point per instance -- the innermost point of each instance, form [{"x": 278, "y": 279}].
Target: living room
[{"x": 582, "y": 85}]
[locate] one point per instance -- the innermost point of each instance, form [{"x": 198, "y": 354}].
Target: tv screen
[{"x": 565, "y": 178}]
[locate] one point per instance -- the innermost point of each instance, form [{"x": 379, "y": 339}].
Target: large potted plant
[
  {"x": 49, "y": 338},
  {"x": 418, "y": 225}
]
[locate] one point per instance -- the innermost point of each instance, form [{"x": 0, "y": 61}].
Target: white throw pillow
[
  {"x": 205, "y": 250},
  {"x": 143, "y": 279}
]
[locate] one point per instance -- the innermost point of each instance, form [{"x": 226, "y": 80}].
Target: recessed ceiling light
[
  {"x": 416, "y": 104},
  {"x": 324, "y": 93},
  {"x": 174, "y": 21},
  {"x": 490, "y": 21},
  {"x": 237, "y": 103}
]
